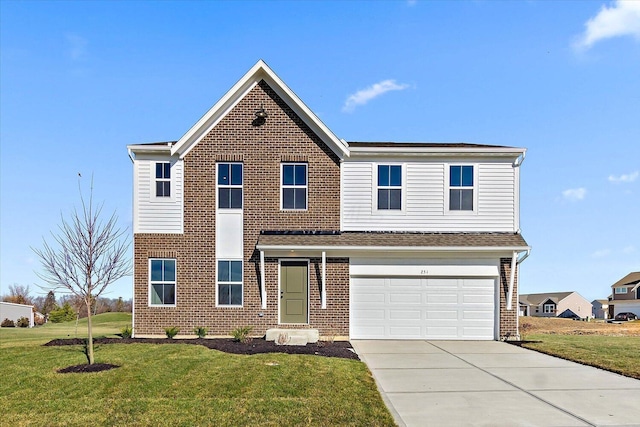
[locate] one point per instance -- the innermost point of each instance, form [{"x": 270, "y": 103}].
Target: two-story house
[
  {"x": 261, "y": 216},
  {"x": 625, "y": 295}
]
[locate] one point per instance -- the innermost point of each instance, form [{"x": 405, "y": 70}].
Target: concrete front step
[{"x": 292, "y": 336}]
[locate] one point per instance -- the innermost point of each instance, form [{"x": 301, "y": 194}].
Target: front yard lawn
[
  {"x": 619, "y": 354},
  {"x": 179, "y": 385}
]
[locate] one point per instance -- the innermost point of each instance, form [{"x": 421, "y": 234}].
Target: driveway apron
[{"x": 491, "y": 383}]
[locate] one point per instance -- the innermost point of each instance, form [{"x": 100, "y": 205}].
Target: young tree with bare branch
[{"x": 88, "y": 255}]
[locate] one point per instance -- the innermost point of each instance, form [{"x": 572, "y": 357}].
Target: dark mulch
[
  {"x": 96, "y": 367},
  {"x": 341, "y": 349},
  {"x": 519, "y": 343}
]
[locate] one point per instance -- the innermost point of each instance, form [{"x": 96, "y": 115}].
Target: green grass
[
  {"x": 619, "y": 354},
  {"x": 177, "y": 384}
]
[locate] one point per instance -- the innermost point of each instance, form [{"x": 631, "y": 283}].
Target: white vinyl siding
[
  {"x": 153, "y": 214},
  {"x": 425, "y": 209}
]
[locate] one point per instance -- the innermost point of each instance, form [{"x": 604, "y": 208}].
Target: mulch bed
[
  {"x": 340, "y": 349},
  {"x": 96, "y": 367}
]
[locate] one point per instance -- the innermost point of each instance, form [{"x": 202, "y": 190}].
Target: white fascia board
[
  {"x": 437, "y": 151},
  {"x": 260, "y": 71},
  {"x": 148, "y": 149},
  {"x": 394, "y": 248}
]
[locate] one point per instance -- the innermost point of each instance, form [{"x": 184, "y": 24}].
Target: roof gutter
[{"x": 515, "y": 249}]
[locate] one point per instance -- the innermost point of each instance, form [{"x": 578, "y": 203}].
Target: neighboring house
[
  {"x": 555, "y": 304},
  {"x": 600, "y": 308},
  {"x": 261, "y": 216},
  {"x": 11, "y": 311},
  {"x": 626, "y": 294}
]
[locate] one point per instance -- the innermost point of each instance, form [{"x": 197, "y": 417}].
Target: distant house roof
[
  {"x": 537, "y": 299},
  {"x": 601, "y": 301},
  {"x": 630, "y": 279}
]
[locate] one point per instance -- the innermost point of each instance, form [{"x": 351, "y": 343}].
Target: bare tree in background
[{"x": 88, "y": 255}]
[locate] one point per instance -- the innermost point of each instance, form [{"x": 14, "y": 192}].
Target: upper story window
[
  {"x": 389, "y": 187},
  {"x": 294, "y": 186},
  {"x": 162, "y": 281},
  {"x": 461, "y": 188},
  {"x": 621, "y": 290},
  {"x": 230, "y": 185},
  {"x": 163, "y": 179},
  {"x": 230, "y": 282},
  {"x": 549, "y": 308}
]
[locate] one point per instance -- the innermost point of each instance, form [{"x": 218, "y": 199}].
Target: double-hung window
[
  {"x": 230, "y": 185},
  {"x": 294, "y": 186},
  {"x": 162, "y": 282},
  {"x": 230, "y": 282},
  {"x": 549, "y": 308},
  {"x": 461, "y": 188},
  {"x": 389, "y": 187},
  {"x": 163, "y": 179}
]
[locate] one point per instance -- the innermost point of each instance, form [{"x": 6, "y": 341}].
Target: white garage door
[{"x": 422, "y": 308}]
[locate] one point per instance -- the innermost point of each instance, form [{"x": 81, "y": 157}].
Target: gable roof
[
  {"x": 630, "y": 279},
  {"x": 260, "y": 71},
  {"x": 537, "y": 299}
]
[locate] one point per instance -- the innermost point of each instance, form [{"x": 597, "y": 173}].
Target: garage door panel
[
  {"x": 422, "y": 308},
  {"x": 405, "y": 315},
  {"x": 442, "y": 298},
  {"x": 405, "y": 298}
]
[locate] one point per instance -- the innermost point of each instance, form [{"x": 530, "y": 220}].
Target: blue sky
[{"x": 81, "y": 80}]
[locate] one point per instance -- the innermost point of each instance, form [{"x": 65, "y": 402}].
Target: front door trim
[{"x": 286, "y": 260}]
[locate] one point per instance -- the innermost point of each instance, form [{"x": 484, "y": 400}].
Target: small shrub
[
  {"x": 126, "y": 332},
  {"x": 200, "y": 331},
  {"x": 171, "y": 332},
  {"x": 62, "y": 314},
  {"x": 8, "y": 323},
  {"x": 241, "y": 334},
  {"x": 23, "y": 322}
]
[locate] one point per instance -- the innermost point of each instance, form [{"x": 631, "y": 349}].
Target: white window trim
[
  {"x": 403, "y": 189},
  {"x": 549, "y": 308},
  {"x": 175, "y": 283},
  {"x": 172, "y": 186},
  {"x": 241, "y": 283},
  {"x": 306, "y": 186},
  {"x": 218, "y": 186},
  {"x": 621, "y": 290},
  {"x": 447, "y": 188},
  {"x": 308, "y": 261}
]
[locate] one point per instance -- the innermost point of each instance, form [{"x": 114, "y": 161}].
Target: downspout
[
  {"x": 512, "y": 277},
  {"x": 263, "y": 287},
  {"x": 324, "y": 280}
]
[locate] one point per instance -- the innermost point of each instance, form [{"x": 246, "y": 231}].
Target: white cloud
[
  {"x": 574, "y": 194},
  {"x": 621, "y": 19},
  {"x": 601, "y": 253},
  {"x": 363, "y": 96},
  {"x": 77, "y": 46},
  {"x": 629, "y": 177}
]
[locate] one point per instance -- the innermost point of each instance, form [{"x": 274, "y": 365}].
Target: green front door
[{"x": 294, "y": 292}]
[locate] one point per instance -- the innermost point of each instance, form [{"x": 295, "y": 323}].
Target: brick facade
[
  {"x": 262, "y": 147},
  {"x": 508, "y": 318}
]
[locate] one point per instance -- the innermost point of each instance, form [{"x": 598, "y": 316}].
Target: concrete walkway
[{"x": 490, "y": 383}]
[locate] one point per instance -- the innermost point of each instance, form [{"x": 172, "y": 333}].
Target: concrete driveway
[{"x": 490, "y": 383}]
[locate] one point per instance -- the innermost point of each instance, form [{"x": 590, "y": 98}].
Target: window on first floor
[
  {"x": 549, "y": 308},
  {"x": 162, "y": 281},
  {"x": 229, "y": 282},
  {"x": 389, "y": 187},
  {"x": 621, "y": 290},
  {"x": 294, "y": 186},
  {"x": 163, "y": 179}
]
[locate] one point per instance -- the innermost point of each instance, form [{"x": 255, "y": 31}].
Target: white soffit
[{"x": 260, "y": 71}]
